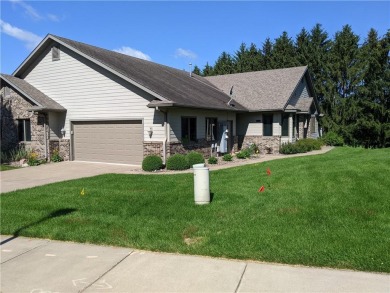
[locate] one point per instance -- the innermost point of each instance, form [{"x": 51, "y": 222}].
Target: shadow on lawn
[{"x": 55, "y": 214}]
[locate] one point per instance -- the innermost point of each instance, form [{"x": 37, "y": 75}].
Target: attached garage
[{"x": 108, "y": 141}]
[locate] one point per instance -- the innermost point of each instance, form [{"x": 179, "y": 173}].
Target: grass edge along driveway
[{"x": 328, "y": 210}]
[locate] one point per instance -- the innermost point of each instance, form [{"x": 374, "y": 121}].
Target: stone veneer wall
[
  {"x": 63, "y": 147},
  {"x": 153, "y": 148},
  {"x": 14, "y": 107},
  {"x": 266, "y": 144}
]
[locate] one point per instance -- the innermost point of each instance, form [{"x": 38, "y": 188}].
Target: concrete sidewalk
[{"x": 43, "y": 266}]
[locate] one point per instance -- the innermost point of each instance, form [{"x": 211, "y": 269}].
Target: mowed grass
[
  {"x": 328, "y": 210},
  {"x": 6, "y": 168}
]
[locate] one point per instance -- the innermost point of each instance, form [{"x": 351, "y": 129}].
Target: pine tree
[
  {"x": 208, "y": 70},
  {"x": 373, "y": 127},
  {"x": 196, "y": 70},
  {"x": 267, "y": 53},
  {"x": 284, "y": 53},
  {"x": 247, "y": 60},
  {"x": 224, "y": 64}
]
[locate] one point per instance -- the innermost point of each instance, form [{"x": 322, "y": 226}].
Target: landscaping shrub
[
  {"x": 254, "y": 149},
  {"x": 243, "y": 154},
  {"x": 301, "y": 146},
  {"x": 18, "y": 154},
  {"x": 152, "y": 163},
  {"x": 32, "y": 159},
  {"x": 213, "y": 160},
  {"x": 310, "y": 144},
  {"x": 194, "y": 158},
  {"x": 332, "y": 138},
  {"x": 55, "y": 157},
  {"x": 227, "y": 157},
  {"x": 177, "y": 162},
  {"x": 289, "y": 148}
]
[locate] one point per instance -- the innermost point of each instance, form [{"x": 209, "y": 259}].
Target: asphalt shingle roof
[
  {"x": 261, "y": 90},
  {"x": 174, "y": 85},
  {"x": 42, "y": 100}
]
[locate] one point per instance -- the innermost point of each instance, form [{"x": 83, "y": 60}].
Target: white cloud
[
  {"x": 28, "y": 9},
  {"x": 30, "y": 39},
  {"x": 185, "y": 53},
  {"x": 33, "y": 13},
  {"x": 53, "y": 17},
  {"x": 133, "y": 52}
]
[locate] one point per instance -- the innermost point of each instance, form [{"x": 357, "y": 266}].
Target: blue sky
[{"x": 175, "y": 33}]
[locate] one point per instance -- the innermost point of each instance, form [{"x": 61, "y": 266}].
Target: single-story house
[{"x": 93, "y": 104}]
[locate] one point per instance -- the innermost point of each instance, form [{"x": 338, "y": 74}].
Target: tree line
[{"x": 351, "y": 78}]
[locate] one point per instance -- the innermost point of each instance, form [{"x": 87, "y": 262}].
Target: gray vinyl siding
[
  {"x": 174, "y": 119},
  {"x": 247, "y": 125},
  {"x": 301, "y": 91},
  {"x": 91, "y": 93}
]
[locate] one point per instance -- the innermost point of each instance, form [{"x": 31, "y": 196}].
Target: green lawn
[
  {"x": 6, "y": 168},
  {"x": 328, "y": 210}
]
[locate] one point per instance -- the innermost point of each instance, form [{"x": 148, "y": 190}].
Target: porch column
[{"x": 290, "y": 127}]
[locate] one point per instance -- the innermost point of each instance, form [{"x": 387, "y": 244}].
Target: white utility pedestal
[{"x": 201, "y": 184}]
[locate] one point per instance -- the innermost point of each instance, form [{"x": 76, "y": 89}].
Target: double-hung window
[
  {"x": 188, "y": 129},
  {"x": 267, "y": 124},
  {"x": 285, "y": 124},
  {"x": 24, "y": 130}
]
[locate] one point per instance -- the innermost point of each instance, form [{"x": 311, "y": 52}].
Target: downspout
[
  {"x": 164, "y": 142},
  {"x": 165, "y": 137},
  {"x": 45, "y": 138}
]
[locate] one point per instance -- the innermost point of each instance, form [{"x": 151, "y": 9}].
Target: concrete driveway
[{"x": 56, "y": 172}]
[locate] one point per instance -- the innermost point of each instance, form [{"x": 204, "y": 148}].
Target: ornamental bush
[
  {"x": 152, "y": 163},
  {"x": 177, "y": 162},
  {"x": 243, "y": 154},
  {"x": 194, "y": 158},
  {"x": 310, "y": 144},
  {"x": 213, "y": 160},
  {"x": 227, "y": 157},
  {"x": 290, "y": 148},
  {"x": 332, "y": 138}
]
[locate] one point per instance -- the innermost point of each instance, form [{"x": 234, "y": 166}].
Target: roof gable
[
  {"x": 42, "y": 101},
  {"x": 261, "y": 90},
  {"x": 169, "y": 85}
]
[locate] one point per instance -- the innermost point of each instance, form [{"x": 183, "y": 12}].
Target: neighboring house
[
  {"x": 281, "y": 103},
  {"x": 97, "y": 105}
]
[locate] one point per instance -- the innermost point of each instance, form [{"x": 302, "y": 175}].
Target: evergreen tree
[
  {"x": 247, "y": 60},
  {"x": 267, "y": 53},
  {"x": 345, "y": 76},
  {"x": 208, "y": 70},
  {"x": 224, "y": 64},
  {"x": 284, "y": 53},
  {"x": 373, "y": 125},
  {"x": 303, "y": 47},
  {"x": 196, "y": 70}
]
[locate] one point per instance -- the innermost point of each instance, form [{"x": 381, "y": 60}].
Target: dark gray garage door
[{"x": 108, "y": 141}]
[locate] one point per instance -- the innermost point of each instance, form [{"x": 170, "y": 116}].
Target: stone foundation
[
  {"x": 63, "y": 147},
  {"x": 266, "y": 144},
  {"x": 153, "y": 148}
]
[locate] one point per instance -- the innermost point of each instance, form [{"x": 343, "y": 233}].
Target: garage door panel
[{"x": 108, "y": 141}]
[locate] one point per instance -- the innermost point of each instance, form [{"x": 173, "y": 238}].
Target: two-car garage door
[{"x": 108, "y": 141}]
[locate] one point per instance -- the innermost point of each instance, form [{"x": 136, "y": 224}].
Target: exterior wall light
[
  {"x": 63, "y": 132},
  {"x": 150, "y": 132}
]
